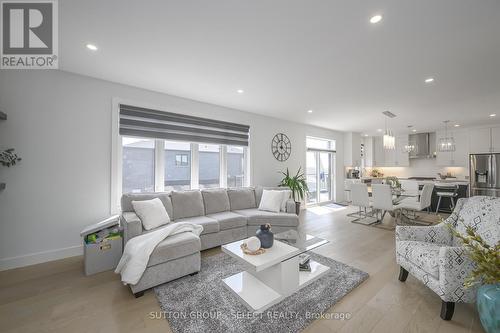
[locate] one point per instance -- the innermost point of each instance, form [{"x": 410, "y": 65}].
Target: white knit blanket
[{"x": 137, "y": 251}]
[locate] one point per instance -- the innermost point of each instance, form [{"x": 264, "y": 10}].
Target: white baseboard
[{"x": 40, "y": 257}]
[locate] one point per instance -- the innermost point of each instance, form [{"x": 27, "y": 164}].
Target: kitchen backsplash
[{"x": 423, "y": 168}]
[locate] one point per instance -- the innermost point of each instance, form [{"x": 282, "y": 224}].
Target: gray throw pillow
[
  {"x": 241, "y": 198},
  {"x": 215, "y": 201},
  {"x": 187, "y": 204}
]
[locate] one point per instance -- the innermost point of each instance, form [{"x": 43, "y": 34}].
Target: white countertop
[{"x": 436, "y": 180}]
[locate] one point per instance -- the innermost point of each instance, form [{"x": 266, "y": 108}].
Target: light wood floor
[{"x": 57, "y": 297}]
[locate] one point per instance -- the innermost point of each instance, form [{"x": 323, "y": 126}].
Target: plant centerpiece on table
[
  {"x": 9, "y": 158},
  {"x": 393, "y": 182},
  {"x": 297, "y": 185},
  {"x": 486, "y": 274}
]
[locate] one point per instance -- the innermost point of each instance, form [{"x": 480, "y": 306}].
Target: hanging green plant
[{"x": 8, "y": 157}]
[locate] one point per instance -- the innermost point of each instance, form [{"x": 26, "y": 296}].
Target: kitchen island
[{"x": 463, "y": 189}]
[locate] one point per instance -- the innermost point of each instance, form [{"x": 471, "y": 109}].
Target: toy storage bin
[{"x": 104, "y": 253}]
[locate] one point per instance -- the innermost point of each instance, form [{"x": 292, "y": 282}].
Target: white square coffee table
[{"x": 273, "y": 275}]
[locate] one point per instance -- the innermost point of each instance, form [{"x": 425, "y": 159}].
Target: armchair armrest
[
  {"x": 290, "y": 206},
  {"x": 132, "y": 225},
  {"x": 438, "y": 234},
  {"x": 454, "y": 267}
]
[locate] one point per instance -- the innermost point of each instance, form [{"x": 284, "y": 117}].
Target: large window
[
  {"x": 177, "y": 166},
  {"x": 138, "y": 173},
  {"x": 150, "y": 165},
  {"x": 209, "y": 166},
  {"x": 235, "y": 166}
]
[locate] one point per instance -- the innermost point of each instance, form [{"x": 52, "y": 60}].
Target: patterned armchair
[{"x": 435, "y": 257}]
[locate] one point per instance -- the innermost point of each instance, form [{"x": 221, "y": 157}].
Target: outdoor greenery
[
  {"x": 296, "y": 183},
  {"x": 8, "y": 157},
  {"x": 486, "y": 258}
]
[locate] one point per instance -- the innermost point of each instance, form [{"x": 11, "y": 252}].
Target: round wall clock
[{"x": 281, "y": 147}]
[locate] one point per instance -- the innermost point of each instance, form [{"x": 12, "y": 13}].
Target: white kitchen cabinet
[
  {"x": 402, "y": 158},
  {"x": 495, "y": 139},
  {"x": 352, "y": 149},
  {"x": 459, "y": 157},
  {"x": 389, "y": 157},
  {"x": 480, "y": 140},
  {"x": 378, "y": 152},
  {"x": 368, "y": 156}
]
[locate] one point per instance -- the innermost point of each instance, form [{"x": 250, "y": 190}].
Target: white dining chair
[
  {"x": 410, "y": 187},
  {"x": 361, "y": 199},
  {"x": 347, "y": 187},
  {"x": 417, "y": 206},
  {"x": 382, "y": 200}
]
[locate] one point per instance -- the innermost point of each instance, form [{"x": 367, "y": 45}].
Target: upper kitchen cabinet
[
  {"x": 402, "y": 157},
  {"x": 457, "y": 158},
  {"x": 352, "y": 149},
  {"x": 495, "y": 139},
  {"x": 378, "y": 152},
  {"x": 376, "y": 156},
  {"x": 368, "y": 152},
  {"x": 397, "y": 157},
  {"x": 480, "y": 140}
]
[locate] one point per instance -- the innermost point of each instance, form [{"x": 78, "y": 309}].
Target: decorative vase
[
  {"x": 265, "y": 235},
  {"x": 297, "y": 207},
  {"x": 488, "y": 306}
]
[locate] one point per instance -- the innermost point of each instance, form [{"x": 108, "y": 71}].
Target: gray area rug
[{"x": 201, "y": 303}]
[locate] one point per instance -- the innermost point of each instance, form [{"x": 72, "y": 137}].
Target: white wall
[{"x": 60, "y": 123}]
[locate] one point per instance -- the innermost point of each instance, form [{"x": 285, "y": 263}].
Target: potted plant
[
  {"x": 297, "y": 185},
  {"x": 393, "y": 182},
  {"x": 486, "y": 274}
]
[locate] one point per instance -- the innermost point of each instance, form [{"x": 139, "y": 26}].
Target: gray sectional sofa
[{"x": 226, "y": 215}]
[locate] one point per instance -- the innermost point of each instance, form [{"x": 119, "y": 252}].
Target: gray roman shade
[{"x": 148, "y": 123}]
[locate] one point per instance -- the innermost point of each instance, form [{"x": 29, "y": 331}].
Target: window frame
[{"x": 117, "y": 159}]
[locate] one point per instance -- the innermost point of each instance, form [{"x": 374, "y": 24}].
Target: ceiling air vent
[{"x": 389, "y": 114}]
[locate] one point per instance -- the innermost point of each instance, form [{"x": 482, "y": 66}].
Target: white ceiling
[{"x": 293, "y": 55}]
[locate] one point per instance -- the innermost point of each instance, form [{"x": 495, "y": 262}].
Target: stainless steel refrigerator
[{"x": 485, "y": 174}]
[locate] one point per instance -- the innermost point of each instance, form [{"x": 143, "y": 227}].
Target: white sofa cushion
[
  {"x": 271, "y": 201},
  {"x": 151, "y": 212}
]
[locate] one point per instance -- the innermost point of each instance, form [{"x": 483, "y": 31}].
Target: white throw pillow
[
  {"x": 271, "y": 201},
  {"x": 151, "y": 212},
  {"x": 286, "y": 195}
]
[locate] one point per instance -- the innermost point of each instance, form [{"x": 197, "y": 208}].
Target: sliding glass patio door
[{"x": 320, "y": 160}]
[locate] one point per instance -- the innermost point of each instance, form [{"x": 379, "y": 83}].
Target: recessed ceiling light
[
  {"x": 493, "y": 115},
  {"x": 376, "y": 19},
  {"x": 429, "y": 80},
  {"x": 240, "y": 91},
  {"x": 413, "y": 130},
  {"x": 309, "y": 111},
  {"x": 379, "y": 130},
  {"x": 457, "y": 125},
  {"x": 365, "y": 134},
  {"x": 91, "y": 47}
]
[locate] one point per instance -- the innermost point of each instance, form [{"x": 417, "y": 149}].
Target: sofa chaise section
[{"x": 175, "y": 257}]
